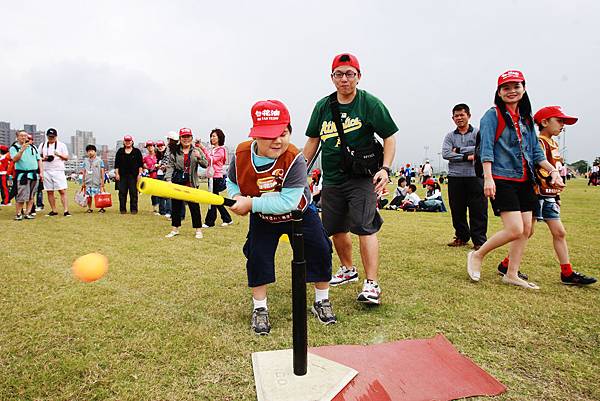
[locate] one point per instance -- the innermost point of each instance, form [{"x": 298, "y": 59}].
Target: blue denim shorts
[{"x": 547, "y": 209}]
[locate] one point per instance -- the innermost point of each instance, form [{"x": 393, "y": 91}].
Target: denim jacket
[{"x": 505, "y": 154}]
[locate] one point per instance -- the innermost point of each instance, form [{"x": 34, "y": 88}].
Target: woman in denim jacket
[{"x": 508, "y": 158}]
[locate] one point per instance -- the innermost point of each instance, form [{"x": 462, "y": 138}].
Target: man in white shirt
[
  {"x": 427, "y": 171},
  {"x": 54, "y": 154}
]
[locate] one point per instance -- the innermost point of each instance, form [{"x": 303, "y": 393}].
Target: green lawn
[{"x": 170, "y": 321}]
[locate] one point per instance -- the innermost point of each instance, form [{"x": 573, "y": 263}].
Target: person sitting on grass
[
  {"x": 411, "y": 201},
  {"x": 92, "y": 170},
  {"x": 399, "y": 194},
  {"x": 267, "y": 179},
  {"x": 550, "y": 121},
  {"x": 433, "y": 201}
]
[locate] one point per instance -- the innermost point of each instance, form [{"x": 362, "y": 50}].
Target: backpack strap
[{"x": 501, "y": 124}]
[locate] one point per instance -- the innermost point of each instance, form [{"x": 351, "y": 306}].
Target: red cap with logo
[
  {"x": 127, "y": 138},
  {"x": 185, "y": 132},
  {"x": 269, "y": 119},
  {"x": 345, "y": 59},
  {"x": 149, "y": 143},
  {"x": 160, "y": 143},
  {"x": 510, "y": 76},
  {"x": 553, "y": 111}
]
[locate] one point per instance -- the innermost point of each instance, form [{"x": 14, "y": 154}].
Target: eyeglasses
[
  {"x": 348, "y": 74},
  {"x": 186, "y": 137}
]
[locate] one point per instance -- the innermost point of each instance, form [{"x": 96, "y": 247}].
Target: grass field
[{"x": 170, "y": 321}]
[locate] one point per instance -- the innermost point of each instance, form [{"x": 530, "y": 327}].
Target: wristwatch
[{"x": 387, "y": 170}]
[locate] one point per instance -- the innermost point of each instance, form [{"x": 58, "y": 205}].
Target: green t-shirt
[{"x": 362, "y": 118}]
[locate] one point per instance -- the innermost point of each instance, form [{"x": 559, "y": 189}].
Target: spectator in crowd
[
  {"x": 433, "y": 201},
  {"x": 509, "y": 153},
  {"x": 550, "y": 121},
  {"x": 399, "y": 194},
  {"x": 427, "y": 172},
  {"x": 411, "y": 200},
  {"x": 349, "y": 202},
  {"x": 128, "y": 169},
  {"x": 182, "y": 169},
  {"x": 316, "y": 185},
  {"x": 594, "y": 174},
  {"x": 465, "y": 189},
  {"x": 267, "y": 179},
  {"x": 217, "y": 158},
  {"x": 54, "y": 153},
  {"x": 5, "y": 171},
  {"x": 92, "y": 169},
  {"x": 409, "y": 173},
  {"x": 29, "y": 170},
  {"x": 164, "y": 204},
  {"x": 150, "y": 168}
]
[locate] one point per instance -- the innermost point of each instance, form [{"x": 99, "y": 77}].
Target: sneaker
[
  {"x": 19, "y": 217},
  {"x": 168, "y": 215},
  {"x": 67, "y": 214},
  {"x": 225, "y": 224},
  {"x": 101, "y": 211},
  {"x": 502, "y": 271},
  {"x": 457, "y": 242},
  {"x": 370, "y": 294},
  {"x": 29, "y": 216},
  {"x": 39, "y": 208},
  {"x": 199, "y": 235},
  {"x": 343, "y": 276},
  {"x": 33, "y": 214},
  {"x": 577, "y": 279},
  {"x": 172, "y": 234},
  {"x": 324, "y": 312},
  {"x": 260, "y": 322},
  {"x": 52, "y": 214},
  {"x": 205, "y": 226},
  {"x": 89, "y": 211}
]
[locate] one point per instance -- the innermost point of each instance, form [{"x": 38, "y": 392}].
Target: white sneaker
[
  {"x": 167, "y": 215},
  {"x": 172, "y": 234},
  {"x": 205, "y": 226},
  {"x": 38, "y": 209},
  {"x": 370, "y": 294},
  {"x": 344, "y": 276},
  {"x": 199, "y": 235},
  {"x": 226, "y": 224}
]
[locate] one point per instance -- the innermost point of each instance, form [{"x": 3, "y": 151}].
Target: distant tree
[{"x": 580, "y": 166}]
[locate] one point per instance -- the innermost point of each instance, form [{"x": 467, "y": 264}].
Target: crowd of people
[{"x": 503, "y": 160}]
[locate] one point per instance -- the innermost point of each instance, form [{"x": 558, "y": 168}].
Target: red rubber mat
[{"x": 410, "y": 370}]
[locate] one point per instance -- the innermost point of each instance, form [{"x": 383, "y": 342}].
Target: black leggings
[{"x": 177, "y": 205}]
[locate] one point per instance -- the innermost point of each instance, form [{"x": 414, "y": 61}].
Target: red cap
[
  {"x": 429, "y": 181},
  {"x": 4, "y": 148},
  {"x": 160, "y": 143},
  {"x": 553, "y": 111},
  {"x": 127, "y": 138},
  {"x": 316, "y": 171},
  {"x": 269, "y": 119},
  {"x": 149, "y": 143},
  {"x": 348, "y": 58},
  {"x": 510, "y": 76},
  {"x": 184, "y": 132}
]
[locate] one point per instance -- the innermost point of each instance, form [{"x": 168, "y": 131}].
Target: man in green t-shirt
[{"x": 349, "y": 203}]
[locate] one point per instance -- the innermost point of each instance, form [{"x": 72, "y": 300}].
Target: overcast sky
[{"x": 147, "y": 67}]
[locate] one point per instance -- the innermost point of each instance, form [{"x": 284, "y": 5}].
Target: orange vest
[
  {"x": 550, "y": 148},
  {"x": 254, "y": 183}
]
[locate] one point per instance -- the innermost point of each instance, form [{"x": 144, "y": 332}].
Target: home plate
[{"x": 275, "y": 379}]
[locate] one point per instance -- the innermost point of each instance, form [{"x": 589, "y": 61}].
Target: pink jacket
[{"x": 216, "y": 157}]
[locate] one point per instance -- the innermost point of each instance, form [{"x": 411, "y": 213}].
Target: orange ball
[{"x": 90, "y": 267}]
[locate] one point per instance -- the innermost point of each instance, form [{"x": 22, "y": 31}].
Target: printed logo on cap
[{"x": 267, "y": 115}]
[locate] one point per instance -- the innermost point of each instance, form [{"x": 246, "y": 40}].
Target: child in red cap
[
  {"x": 267, "y": 179},
  {"x": 550, "y": 121}
]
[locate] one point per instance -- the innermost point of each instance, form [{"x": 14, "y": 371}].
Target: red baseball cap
[
  {"x": 184, "y": 132},
  {"x": 160, "y": 143},
  {"x": 149, "y": 143},
  {"x": 510, "y": 76},
  {"x": 127, "y": 138},
  {"x": 269, "y": 119},
  {"x": 429, "y": 181},
  {"x": 553, "y": 111},
  {"x": 345, "y": 59},
  {"x": 4, "y": 148}
]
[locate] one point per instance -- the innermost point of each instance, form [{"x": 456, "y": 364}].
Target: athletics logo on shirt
[{"x": 329, "y": 130}]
